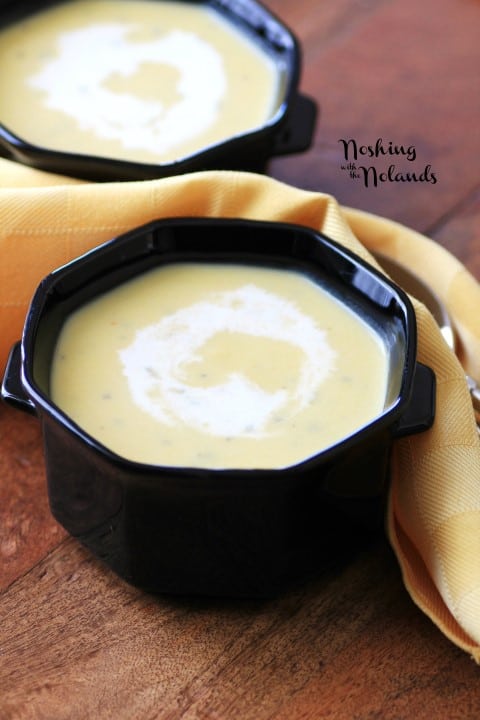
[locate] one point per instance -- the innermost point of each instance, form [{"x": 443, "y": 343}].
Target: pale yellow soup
[
  {"x": 218, "y": 366},
  {"x": 140, "y": 80}
]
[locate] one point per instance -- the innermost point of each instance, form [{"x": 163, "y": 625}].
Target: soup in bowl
[{"x": 219, "y": 366}]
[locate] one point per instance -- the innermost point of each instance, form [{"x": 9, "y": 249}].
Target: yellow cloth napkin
[{"x": 434, "y": 506}]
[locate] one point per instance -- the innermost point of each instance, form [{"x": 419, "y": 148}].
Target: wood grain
[
  {"x": 407, "y": 73},
  {"x": 78, "y": 643},
  {"x": 27, "y": 529}
]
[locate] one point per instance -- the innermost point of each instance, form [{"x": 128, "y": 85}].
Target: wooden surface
[{"x": 78, "y": 643}]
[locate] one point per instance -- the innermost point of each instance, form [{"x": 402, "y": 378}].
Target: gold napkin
[{"x": 434, "y": 506}]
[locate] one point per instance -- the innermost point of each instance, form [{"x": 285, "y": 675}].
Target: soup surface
[
  {"x": 140, "y": 80},
  {"x": 218, "y": 366}
]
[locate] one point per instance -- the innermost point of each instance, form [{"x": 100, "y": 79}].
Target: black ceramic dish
[
  {"x": 219, "y": 532},
  {"x": 290, "y": 130}
]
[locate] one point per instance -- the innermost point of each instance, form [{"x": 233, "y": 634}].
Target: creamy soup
[
  {"x": 140, "y": 80},
  {"x": 218, "y": 366}
]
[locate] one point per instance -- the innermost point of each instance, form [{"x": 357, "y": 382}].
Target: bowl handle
[
  {"x": 420, "y": 412},
  {"x": 297, "y": 135},
  {"x": 12, "y": 389}
]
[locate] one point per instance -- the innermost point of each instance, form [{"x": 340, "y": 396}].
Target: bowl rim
[{"x": 52, "y": 286}]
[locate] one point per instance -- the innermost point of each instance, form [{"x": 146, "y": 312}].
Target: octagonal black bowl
[
  {"x": 244, "y": 532},
  {"x": 289, "y": 130}
]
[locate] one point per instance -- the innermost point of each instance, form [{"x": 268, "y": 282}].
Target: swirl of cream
[
  {"x": 237, "y": 407},
  {"x": 74, "y": 83}
]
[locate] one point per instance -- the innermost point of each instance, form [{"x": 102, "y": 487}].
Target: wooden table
[{"x": 78, "y": 643}]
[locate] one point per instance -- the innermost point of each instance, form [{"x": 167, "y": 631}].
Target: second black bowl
[{"x": 289, "y": 129}]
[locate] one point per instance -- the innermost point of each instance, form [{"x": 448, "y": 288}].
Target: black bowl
[
  {"x": 219, "y": 532},
  {"x": 290, "y": 129}
]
